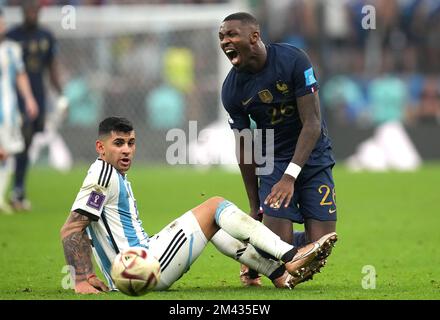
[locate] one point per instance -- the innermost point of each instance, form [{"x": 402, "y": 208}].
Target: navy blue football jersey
[
  {"x": 38, "y": 47},
  {"x": 269, "y": 98}
]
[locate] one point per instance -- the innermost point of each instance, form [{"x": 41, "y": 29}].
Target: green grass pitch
[{"x": 390, "y": 221}]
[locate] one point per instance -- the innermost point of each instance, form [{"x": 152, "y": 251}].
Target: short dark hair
[
  {"x": 117, "y": 124},
  {"x": 244, "y": 17}
]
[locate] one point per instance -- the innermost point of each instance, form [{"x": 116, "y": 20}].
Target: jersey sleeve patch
[
  {"x": 95, "y": 200},
  {"x": 309, "y": 77}
]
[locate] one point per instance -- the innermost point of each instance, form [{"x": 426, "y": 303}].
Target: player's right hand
[{"x": 282, "y": 192}]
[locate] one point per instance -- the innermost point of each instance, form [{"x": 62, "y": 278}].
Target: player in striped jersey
[
  {"x": 105, "y": 211},
  {"x": 12, "y": 74}
]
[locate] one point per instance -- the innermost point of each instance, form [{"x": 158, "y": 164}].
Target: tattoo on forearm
[{"x": 77, "y": 249}]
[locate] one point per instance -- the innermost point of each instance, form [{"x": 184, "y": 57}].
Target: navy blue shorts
[{"x": 313, "y": 197}]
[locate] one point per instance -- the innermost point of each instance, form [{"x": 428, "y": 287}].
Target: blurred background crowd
[
  {"x": 112, "y": 2},
  {"x": 368, "y": 76}
]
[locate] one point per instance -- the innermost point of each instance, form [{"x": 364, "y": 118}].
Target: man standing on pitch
[
  {"x": 276, "y": 86},
  {"x": 12, "y": 77},
  {"x": 39, "y": 55}
]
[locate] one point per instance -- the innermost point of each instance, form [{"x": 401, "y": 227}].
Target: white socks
[
  {"x": 243, "y": 227},
  {"x": 243, "y": 252}
]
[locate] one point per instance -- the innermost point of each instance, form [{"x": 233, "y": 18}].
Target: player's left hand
[
  {"x": 282, "y": 192},
  {"x": 94, "y": 281}
]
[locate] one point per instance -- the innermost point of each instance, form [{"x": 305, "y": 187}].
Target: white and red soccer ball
[{"x": 135, "y": 271}]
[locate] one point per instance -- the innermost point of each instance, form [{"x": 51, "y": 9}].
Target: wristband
[{"x": 293, "y": 170}]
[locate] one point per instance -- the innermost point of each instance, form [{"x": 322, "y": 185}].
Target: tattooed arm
[{"x": 78, "y": 253}]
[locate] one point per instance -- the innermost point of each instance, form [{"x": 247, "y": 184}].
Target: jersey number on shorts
[{"x": 325, "y": 201}]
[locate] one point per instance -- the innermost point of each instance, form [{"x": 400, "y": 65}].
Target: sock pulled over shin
[
  {"x": 243, "y": 227},
  {"x": 246, "y": 254}
]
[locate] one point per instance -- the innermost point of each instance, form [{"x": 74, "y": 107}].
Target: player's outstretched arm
[{"x": 78, "y": 253}]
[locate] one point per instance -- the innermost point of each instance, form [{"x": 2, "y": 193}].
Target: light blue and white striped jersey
[
  {"x": 11, "y": 64},
  {"x": 107, "y": 199}
]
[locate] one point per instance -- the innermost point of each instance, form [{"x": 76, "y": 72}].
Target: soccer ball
[{"x": 135, "y": 271}]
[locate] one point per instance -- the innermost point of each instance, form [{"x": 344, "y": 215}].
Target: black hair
[
  {"x": 117, "y": 124},
  {"x": 244, "y": 17}
]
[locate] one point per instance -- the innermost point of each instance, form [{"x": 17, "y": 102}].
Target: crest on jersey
[
  {"x": 282, "y": 87},
  {"x": 265, "y": 96},
  {"x": 44, "y": 45},
  {"x": 33, "y": 46}
]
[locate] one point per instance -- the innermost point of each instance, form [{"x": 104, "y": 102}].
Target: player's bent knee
[
  {"x": 215, "y": 201},
  {"x": 205, "y": 214}
]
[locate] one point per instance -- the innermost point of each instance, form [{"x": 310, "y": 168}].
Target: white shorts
[
  {"x": 11, "y": 139},
  {"x": 176, "y": 247}
]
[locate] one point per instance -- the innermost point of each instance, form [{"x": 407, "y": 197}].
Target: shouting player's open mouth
[{"x": 233, "y": 55}]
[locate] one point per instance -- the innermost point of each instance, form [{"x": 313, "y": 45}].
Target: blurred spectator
[
  {"x": 387, "y": 93},
  {"x": 406, "y": 33},
  {"x": 179, "y": 68},
  {"x": 433, "y": 39},
  {"x": 139, "y": 59},
  {"x": 165, "y": 100},
  {"x": 345, "y": 100},
  {"x": 336, "y": 22},
  {"x": 106, "y": 2},
  {"x": 84, "y": 102},
  {"x": 388, "y": 98},
  {"x": 427, "y": 111}
]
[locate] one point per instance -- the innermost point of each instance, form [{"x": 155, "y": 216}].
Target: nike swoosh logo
[
  {"x": 331, "y": 211},
  {"x": 246, "y": 102},
  {"x": 315, "y": 247}
]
